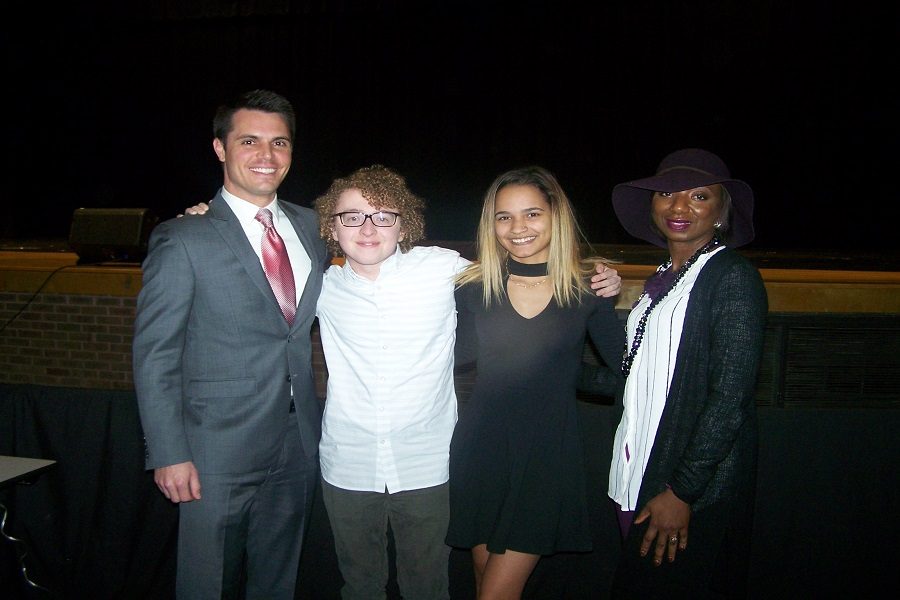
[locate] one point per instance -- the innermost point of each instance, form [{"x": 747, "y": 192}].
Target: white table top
[{"x": 14, "y": 468}]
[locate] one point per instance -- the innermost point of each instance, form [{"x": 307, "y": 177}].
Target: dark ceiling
[{"x": 110, "y": 105}]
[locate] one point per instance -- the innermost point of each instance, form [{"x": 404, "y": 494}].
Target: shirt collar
[
  {"x": 246, "y": 211},
  {"x": 390, "y": 266}
]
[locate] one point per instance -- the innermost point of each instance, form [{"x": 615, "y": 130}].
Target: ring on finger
[{"x": 673, "y": 539}]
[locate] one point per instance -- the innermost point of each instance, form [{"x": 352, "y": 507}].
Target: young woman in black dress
[{"x": 517, "y": 484}]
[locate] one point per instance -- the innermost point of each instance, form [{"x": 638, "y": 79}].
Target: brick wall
[
  {"x": 68, "y": 326},
  {"x": 75, "y": 325},
  {"x": 83, "y": 341},
  {"x": 66, "y": 340},
  {"x": 65, "y": 325}
]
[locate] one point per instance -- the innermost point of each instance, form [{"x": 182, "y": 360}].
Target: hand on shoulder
[
  {"x": 606, "y": 282},
  {"x": 197, "y": 209}
]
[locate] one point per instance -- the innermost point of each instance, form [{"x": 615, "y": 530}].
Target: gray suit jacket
[{"x": 214, "y": 359}]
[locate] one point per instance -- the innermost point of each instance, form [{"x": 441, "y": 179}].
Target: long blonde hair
[{"x": 566, "y": 268}]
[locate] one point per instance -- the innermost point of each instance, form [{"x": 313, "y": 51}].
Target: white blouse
[{"x": 647, "y": 386}]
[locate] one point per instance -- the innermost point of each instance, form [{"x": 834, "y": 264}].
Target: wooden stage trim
[
  {"x": 790, "y": 290},
  {"x": 800, "y": 290}
]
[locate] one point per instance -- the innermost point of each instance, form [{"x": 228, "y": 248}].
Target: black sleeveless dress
[{"x": 516, "y": 475}]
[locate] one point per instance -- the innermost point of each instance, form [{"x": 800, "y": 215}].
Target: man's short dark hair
[{"x": 263, "y": 100}]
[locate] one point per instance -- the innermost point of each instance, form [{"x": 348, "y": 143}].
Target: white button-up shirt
[
  {"x": 647, "y": 386},
  {"x": 390, "y": 407},
  {"x": 246, "y": 214}
]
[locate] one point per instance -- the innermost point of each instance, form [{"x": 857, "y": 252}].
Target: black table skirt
[{"x": 97, "y": 527}]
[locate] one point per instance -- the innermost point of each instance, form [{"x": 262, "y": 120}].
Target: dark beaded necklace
[{"x": 628, "y": 359}]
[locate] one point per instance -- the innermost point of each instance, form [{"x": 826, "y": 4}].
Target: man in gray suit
[{"x": 223, "y": 372}]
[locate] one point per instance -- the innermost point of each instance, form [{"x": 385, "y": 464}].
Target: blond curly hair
[{"x": 383, "y": 188}]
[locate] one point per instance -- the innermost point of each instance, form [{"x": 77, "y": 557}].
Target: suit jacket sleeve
[{"x": 162, "y": 316}]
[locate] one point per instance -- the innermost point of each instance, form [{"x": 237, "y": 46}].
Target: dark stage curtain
[
  {"x": 95, "y": 524},
  {"x": 98, "y": 528}
]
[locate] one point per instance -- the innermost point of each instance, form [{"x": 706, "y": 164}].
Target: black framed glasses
[{"x": 354, "y": 218}]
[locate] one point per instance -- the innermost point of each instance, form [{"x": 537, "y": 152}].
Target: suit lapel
[
  {"x": 309, "y": 298},
  {"x": 225, "y": 221}
]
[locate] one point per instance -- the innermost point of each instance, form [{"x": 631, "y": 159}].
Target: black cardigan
[{"x": 706, "y": 443}]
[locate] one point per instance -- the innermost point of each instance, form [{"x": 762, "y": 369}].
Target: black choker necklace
[
  {"x": 628, "y": 359},
  {"x": 524, "y": 269}
]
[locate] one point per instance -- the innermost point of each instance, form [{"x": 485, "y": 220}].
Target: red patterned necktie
[{"x": 277, "y": 266}]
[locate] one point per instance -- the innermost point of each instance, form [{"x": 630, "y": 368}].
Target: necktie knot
[{"x": 264, "y": 216}]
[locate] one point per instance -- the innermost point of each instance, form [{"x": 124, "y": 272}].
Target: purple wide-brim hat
[{"x": 684, "y": 170}]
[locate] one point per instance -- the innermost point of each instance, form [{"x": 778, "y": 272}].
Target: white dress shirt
[
  {"x": 647, "y": 386},
  {"x": 390, "y": 407},
  {"x": 246, "y": 213}
]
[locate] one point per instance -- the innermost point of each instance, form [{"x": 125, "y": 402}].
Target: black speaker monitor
[{"x": 110, "y": 234}]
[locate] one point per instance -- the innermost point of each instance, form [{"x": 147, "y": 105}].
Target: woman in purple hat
[{"x": 684, "y": 457}]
